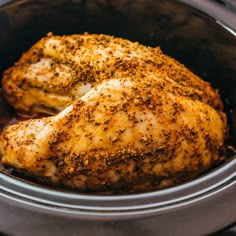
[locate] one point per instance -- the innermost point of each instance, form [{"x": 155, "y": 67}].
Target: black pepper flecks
[{"x": 147, "y": 122}]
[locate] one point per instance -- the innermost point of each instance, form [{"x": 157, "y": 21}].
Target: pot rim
[
  {"x": 222, "y": 16},
  {"x": 124, "y": 206}
]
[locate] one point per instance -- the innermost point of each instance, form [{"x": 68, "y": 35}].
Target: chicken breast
[
  {"x": 138, "y": 123},
  {"x": 59, "y": 69},
  {"x": 123, "y": 135}
]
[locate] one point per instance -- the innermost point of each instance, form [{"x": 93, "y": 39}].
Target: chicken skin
[
  {"x": 138, "y": 123},
  {"x": 60, "y": 69}
]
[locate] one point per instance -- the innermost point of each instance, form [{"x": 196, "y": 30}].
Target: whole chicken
[{"x": 140, "y": 120}]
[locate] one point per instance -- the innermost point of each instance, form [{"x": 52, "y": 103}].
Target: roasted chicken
[
  {"x": 141, "y": 121},
  {"x": 60, "y": 69}
]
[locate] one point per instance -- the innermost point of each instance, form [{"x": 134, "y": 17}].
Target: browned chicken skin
[
  {"x": 59, "y": 69},
  {"x": 146, "y": 123}
]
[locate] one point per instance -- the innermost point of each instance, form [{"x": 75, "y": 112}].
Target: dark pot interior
[{"x": 187, "y": 34}]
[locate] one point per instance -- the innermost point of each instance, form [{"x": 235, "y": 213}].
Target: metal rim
[{"x": 121, "y": 206}]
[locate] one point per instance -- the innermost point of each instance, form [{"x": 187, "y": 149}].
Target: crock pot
[{"x": 200, "y": 34}]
